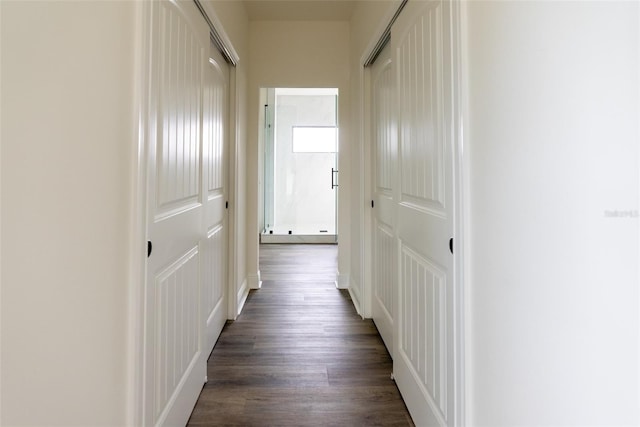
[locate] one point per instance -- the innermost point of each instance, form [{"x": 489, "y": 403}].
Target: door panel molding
[
  {"x": 429, "y": 313},
  {"x": 215, "y": 179},
  {"x": 172, "y": 319},
  {"x": 423, "y": 347},
  {"x": 186, "y": 200},
  {"x": 174, "y": 368},
  {"x": 177, "y": 330},
  {"x": 383, "y": 161}
]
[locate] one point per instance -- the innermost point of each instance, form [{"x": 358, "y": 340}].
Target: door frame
[
  {"x": 461, "y": 218},
  {"x": 268, "y": 95},
  {"x": 137, "y": 224}
]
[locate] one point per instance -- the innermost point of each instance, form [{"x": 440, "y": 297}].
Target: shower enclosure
[{"x": 300, "y": 139}]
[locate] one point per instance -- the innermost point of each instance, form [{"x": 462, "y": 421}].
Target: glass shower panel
[
  {"x": 305, "y": 153},
  {"x": 269, "y": 159}
]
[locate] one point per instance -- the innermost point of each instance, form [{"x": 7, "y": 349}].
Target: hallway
[{"x": 299, "y": 354}]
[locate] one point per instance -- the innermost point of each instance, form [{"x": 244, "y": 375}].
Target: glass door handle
[{"x": 332, "y": 182}]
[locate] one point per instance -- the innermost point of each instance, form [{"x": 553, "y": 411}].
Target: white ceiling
[{"x": 299, "y": 10}]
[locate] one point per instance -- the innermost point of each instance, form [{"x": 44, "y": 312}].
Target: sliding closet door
[
  {"x": 384, "y": 139},
  {"x": 215, "y": 119},
  {"x": 174, "y": 361},
  {"x": 424, "y": 355}
]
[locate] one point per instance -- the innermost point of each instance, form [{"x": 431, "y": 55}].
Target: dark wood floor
[{"x": 299, "y": 354}]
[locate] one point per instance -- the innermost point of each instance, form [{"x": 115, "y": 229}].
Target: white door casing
[
  {"x": 384, "y": 153},
  {"x": 425, "y": 363},
  {"x": 215, "y": 152},
  {"x": 174, "y": 353}
]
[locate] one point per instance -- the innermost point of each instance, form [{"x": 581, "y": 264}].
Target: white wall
[
  {"x": 552, "y": 146},
  {"x": 68, "y": 140},
  {"x": 299, "y": 54}
]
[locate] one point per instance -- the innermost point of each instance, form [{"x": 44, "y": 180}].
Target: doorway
[{"x": 299, "y": 131}]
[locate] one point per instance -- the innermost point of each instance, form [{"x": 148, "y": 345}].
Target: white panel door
[
  {"x": 215, "y": 114},
  {"x": 173, "y": 334},
  {"x": 384, "y": 141},
  {"x": 424, "y": 338}
]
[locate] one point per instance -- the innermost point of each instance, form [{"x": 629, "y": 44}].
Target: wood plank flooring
[{"x": 299, "y": 355}]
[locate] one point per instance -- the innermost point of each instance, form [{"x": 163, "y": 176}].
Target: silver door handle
[{"x": 332, "y": 182}]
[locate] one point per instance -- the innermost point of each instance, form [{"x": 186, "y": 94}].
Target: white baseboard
[
  {"x": 254, "y": 280},
  {"x": 355, "y": 298},
  {"x": 243, "y": 293},
  {"x": 342, "y": 281},
  {"x": 298, "y": 238}
]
